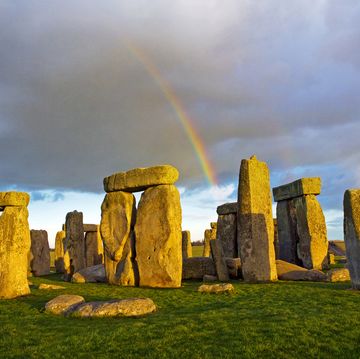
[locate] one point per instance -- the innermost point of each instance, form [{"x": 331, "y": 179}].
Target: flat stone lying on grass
[
  {"x": 63, "y": 304},
  {"x": 50, "y": 286},
  {"x": 91, "y": 274},
  {"x": 132, "y": 307},
  {"x": 216, "y": 288},
  {"x": 75, "y": 306},
  {"x": 338, "y": 275},
  {"x": 292, "y": 272}
]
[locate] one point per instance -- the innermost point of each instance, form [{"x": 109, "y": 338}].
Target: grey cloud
[{"x": 255, "y": 77}]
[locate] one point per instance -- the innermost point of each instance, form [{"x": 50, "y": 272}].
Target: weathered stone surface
[
  {"x": 337, "y": 248},
  {"x": 352, "y": 234},
  {"x": 63, "y": 304},
  {"x": 209, "y": 235},
  {"x": 44, "y": 286},
  {"x": 40, "y": 250},
  {"x": 276, "y": 240},
  {"x": 234, "y": 267},
  {"x": 300, "y": 187},
  {"x": 331, "y": 258},
  {"x": 227, "y": 234},
  {"x": 14, "y": 248},
  {"x": 18, "y": 199},
  {"x": 132, "y": 307},
  {"x": 216, "y": 288},
  {"x": 90, "y": 275},
  {"x": 59, "y": 252},
  {"x": 198, "y": 267},
  {"x": 139, "y": 179},
  {"x": 90, "y": 227},
  {"x": 186, "y": 245},
  {"x": 338, "y": 275},
  {"x": 118, "y": 213},
  {"x": 158, "y": 237},
  {"x": 94, "y": 250},
  {"x": 255, "y": 222},
  {"x": 302, "y": 232},
  {"x": 292, "y": 272},
  {"x": 74, "y": 243},
  {"x": 213, "y": 225},
  {"x": 227, "y": 208},
  {"x": 219, "y": 260},
  {"x": 210, "y": 278}
]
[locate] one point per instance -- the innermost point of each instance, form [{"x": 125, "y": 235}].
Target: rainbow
[{"x": 179, "y": 109}]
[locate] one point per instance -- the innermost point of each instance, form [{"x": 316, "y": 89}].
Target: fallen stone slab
[
  {"x": 132, "y": 307},
  {"x": 198, "y": 267},
  {"x": 216, "y": 288},
  {"x": 338, "y": 275},
  {"x": 18, "y": 199},
  {"x": 292, "y": 272},
  {"x": 63, "y": 304},
  {"x": 91, "y": 274},
  {"x": 139, "y": 179},
  {"x": 300, "y": 187},
  {"x": 50, "y": 286},
  {"x": 210, "y": 278},
  {"x": 227, "y": 208}
]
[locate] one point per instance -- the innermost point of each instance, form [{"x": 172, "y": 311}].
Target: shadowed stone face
[
  {"x": 40, "y": 262},
  {"x": 93, "y": 249},
  {"x": 227, "y": 234},
  {"x": 255, "y": 222},
  {"x": 352, "y": 234},
  {"x": 118, "y": 214},
  {"x": 14, "y": 249},
  {"x": 158, "y": 237}
]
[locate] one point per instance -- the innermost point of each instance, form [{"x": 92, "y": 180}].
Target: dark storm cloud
[{"x": 279, "y": 79}]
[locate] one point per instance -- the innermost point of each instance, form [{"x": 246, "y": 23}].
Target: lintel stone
[
  {"x": 20, "y": 199},
  {"x": 227, "y": 208}
]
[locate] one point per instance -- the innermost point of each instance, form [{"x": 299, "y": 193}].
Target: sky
[{"x": 279, "y": 79}]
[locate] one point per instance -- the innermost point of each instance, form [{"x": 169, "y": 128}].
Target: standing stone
[
  {"x": 227, "y": 234},
  {"x": 209, "y": 235},
  {"x": 14, "y": 244},
  {"x": 255, "y": 222},
  {"x": 186, "y": 245},
  {"x": 118, "y": 213},
  {"x": 158, "y": 237},
  {"x": 40, "y": 262},
  {"x": 219, "y": 259},
  {"x": 301, "y": 224},
  {"x": 352, "y": 234},
  {"x": 276, "y": 239},
  {"x": 94, "y": 251},
  {"x": 59, "y": 252},
  {"x": 74, "y": 244}
]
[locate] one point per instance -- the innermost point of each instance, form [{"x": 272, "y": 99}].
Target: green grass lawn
[{"x": 280, "y": 320}]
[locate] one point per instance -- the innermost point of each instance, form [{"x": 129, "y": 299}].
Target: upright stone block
[
  {"x": 209, "y": 235},
  {"x": 74, "y": 244},
  {"x": 227, "y": 234},
  {"x": 59, "y": 252},
  {"x": 94, "y": 251},
  {"x": 158, "y": 237},
  {"x": 40, "y": 250},
  {"x": 219, "y": 260},
  {"x": 352, "y": 234},
  {"x": 118, "y": 213},
  {"x": 255, "y": 222},
  {"x": 186, "y": 245},
  {"x": 14, "y": 248}
]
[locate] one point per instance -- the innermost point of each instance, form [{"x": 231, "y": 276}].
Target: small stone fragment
[
  {"x": 216, "y": 288},
  {"x": 63, "y": 304},
  {"x": 50, "y": 286},
  {"x": 338, "y": 275}
]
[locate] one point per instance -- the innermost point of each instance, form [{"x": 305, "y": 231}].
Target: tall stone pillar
[
  {"x": 14, "y": 244},
  {"x": 352, "y": 234},
  {"x": 227, "y": 229},
  {"x": 40, "y": 250},
  {"x": 186, "y": 245},
  {"x": 59, "y": 252},
  {"x": 255, "y": 222}
]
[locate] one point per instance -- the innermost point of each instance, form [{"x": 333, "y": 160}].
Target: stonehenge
[
  {"x": 255, "y": 226},
  {"x": 15, "y": 244},
  {"x": 301, "y": 227},
  {"x": 142, "y": 246},
  {"x": 186, "y": 245},
  {"x": 227, "y": 229},
  {"x": 40, "y": 253},
  {"x": 209, "y": 235},
  {"x": 352, "y": 234},
  {"x": 59, "y": 252}
]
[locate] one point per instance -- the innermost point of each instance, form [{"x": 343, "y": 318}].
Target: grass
[
  {"x": 280, "y": 320},
  {"x": 197, "y": 251}
]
